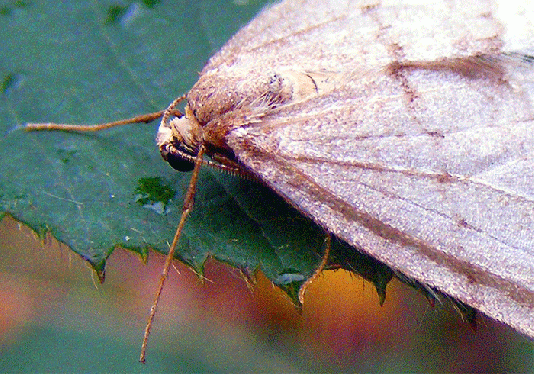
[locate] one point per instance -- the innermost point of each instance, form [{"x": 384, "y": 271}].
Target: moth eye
[
  {"x": 180, "y": 164},
  {"x": 180, "y": 157}
]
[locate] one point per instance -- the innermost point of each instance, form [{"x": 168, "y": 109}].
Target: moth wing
[
  {"x": 420, "y": 148},
  {"x": 338, "y": 35},
  {"x": 441, "y": 188}
]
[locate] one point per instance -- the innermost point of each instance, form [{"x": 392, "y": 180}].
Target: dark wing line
[
  {"x": 398, "y": 135},
  {"x": 439, "y": 177},
  {"x": 301, "y": 181},
  {"x": 523, "y": 58},
  {"x": 283, "y": 120}
]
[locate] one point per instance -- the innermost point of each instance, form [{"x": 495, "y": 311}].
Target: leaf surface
[{"x": 92, "y": 62}]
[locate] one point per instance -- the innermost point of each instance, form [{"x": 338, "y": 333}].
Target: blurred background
[{"x": 56, "y": 317}]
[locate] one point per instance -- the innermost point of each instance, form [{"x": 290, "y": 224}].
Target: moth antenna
[
  {"x": 170, "y": 109},
  {"x": 320, "y": 268},
  {"x": 187, "y": 207},
  {"x": 50, "y": 126}
]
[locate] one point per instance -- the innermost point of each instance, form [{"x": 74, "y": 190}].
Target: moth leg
[
  {"x": 320, "y": 268},
  {"x": 186, "y": 209}
]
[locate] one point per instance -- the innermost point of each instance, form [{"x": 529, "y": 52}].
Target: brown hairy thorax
[{"x": 216, "y": 106}]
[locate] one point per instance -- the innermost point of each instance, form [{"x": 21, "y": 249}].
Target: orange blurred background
[{"x": 54, "y": 315}]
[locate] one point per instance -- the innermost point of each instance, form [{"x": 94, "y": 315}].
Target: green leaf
[{"x": 88, "y": 62}]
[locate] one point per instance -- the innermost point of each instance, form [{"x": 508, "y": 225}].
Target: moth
[{"x": 404, "y": 128}]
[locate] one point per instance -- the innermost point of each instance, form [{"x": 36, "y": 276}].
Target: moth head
[{"x": 179, "y": 139}]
